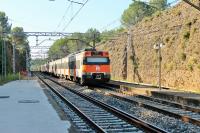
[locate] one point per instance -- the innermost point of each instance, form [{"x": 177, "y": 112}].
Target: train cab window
[
  {"x": 96, "y": 60},
  {"x": 102, "y": 60}
]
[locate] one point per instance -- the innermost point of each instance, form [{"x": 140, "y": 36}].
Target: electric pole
[
  {"x": 94, "y": 40},
  {"x": 2, "y": 58},
  {"x": 5, "y": 61},
  {"x": 13, "y": 57},
  {"x": 160, "y": 60}
]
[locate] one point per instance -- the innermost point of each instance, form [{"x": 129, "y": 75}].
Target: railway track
[
  {"x": 99, "y": 116},
  {"x": 183, "y": 112}
]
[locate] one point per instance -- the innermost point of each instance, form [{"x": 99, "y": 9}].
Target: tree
[
  {"x": 136, "y": 12},
  {"x": 75, "y": 42},
  {"x": 22, "y": 47},
  {"x": 90, "y": 34},
  {"x": 4, "y": 27},
  {"x": 106, "y": 35},
  {"x": 20, "y": 41},
  {"x": 59, "y": 49},
  {"x": 158, "y": 4}
]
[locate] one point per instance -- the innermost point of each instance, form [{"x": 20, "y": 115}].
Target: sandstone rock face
[{"x": 178, "y": 30}]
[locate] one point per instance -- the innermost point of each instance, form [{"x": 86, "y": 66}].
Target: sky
[
  {"x": 51, "y": 16},
  {"x": 44, "y": 15}
]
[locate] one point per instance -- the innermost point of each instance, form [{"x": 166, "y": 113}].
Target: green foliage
[
  {"x": 194, "y": 30},
  {"x": 19, "y": 38},
  {"x": 178, "y": 13},
  {"x": 59, "y": 48},
  {"x": 91, "y": 34},
  {"x": 189, "y": 24},
  {"x": 22, "y": 46},
  {"x": 191, "y": 62},
  {"x": 37, "y": 62},
  {"x": 136, "y": 12},
  {"x": 167, "y": 39},
  {"x": 169, "y": 66},
  {"x": 105, "y": 35},
  {"x": 9, "y": 77},
  {"x": 4, "y": 25},
  {"x": 190, "y": 67},
  {"x": 75, "y": 42},
  {"x": 20, "y": 41},
  {"x": 182, "y": 56},
  {"x": 198, "y": 66},
  {"x": 158, "y": 4},
  {"x": 186, "y": 35},
  {"x": 78, "y": 41},
  {"x": 157, "y": 13}
]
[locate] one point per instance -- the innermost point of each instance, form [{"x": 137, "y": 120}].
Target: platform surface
[
  {"x": 24, "y": 108},
  {"x": 183, "y": 97}
]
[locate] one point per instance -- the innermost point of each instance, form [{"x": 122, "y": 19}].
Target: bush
[
  {"x": 194, "y": 30},
  {"x": 189, "y": 24},
  {"x": 157, "y": 13},
  {"x": 194, "y": 20},
  {"x": 145, "y": 19},
  {"x": 198, "y": 66},
  {"x": 167, "y": 39},
  {"x": 186, "y": 35},
  {"x": 183, "y": 56},
  {"x": 169, "y": 66},
  {"x": 190, "y": 67},
  {"x": 178, "y": 13},
  {"x": 9, "y": 77},
  {"x": 191, "y": 62}
]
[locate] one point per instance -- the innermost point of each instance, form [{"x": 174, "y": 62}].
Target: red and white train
[{"x": 84, "y": 66}]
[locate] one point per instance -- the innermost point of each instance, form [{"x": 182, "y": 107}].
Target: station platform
[
  {"x": 182, "y": 97},
  {"x": 24, "y": 108}
]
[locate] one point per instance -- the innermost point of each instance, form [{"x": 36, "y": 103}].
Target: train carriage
[{"x": 83, "y": 66}]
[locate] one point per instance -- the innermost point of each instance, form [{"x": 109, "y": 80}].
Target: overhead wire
[
  {"x": 75, "y": 2},
  {"x": 110, "y": 24},
  {"x": 72, "y": 18},
  {"x": 63, "y": 17}
]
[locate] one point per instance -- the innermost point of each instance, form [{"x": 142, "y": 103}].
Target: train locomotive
[{"x": 85, "y": 66}]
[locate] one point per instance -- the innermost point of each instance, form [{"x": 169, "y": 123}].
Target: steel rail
[
  {"x": 119, "y": 83},
  {"x": 174, "y": 104},
  {"x": 119, "y": 113},
  {"x": 168, "y": 112},
  {"x": 162, "y": 101},
  {"x": 79, "y": 112}
]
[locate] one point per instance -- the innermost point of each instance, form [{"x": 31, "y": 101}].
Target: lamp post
[{"x": 158, "y": 47}]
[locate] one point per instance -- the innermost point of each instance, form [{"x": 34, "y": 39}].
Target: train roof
[{"x": 86, "y": 49}]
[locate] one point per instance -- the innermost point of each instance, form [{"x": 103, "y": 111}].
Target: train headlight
[{"x": 83, "y": 68}]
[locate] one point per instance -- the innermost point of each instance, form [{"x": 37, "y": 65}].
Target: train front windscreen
[{"x": 97, "y": 60}]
